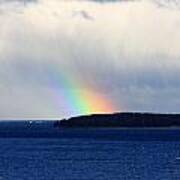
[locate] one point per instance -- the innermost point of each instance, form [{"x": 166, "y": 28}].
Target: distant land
[
  {"x": 126, "y": 120},
  {"x": 113, "y": 126}
]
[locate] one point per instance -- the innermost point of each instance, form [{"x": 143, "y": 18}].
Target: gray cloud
[{"x": 128, "y": 52}]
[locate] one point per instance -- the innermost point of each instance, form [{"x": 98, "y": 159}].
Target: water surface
[{"x": 93, "y": 154}]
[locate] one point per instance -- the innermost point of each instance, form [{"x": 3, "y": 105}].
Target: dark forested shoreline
[
  {"x": 122, "y": 120},
  {"x": 87, "y": 126}
]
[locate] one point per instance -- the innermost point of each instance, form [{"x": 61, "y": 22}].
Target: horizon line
[{"x": 84, "y": 115}]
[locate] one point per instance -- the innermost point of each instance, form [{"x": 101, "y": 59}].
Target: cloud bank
[{"x": 128, "y": 51}]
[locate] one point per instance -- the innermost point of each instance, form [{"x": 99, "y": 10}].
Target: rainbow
[{"x": 74, "y": 97}]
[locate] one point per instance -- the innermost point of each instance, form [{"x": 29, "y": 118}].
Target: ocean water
[{"x": 93, "y": 154}]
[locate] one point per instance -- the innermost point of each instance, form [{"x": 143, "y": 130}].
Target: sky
[{"x": 66, "y": 58}]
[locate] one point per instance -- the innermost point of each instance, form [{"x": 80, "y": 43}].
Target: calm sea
[{"x": 93, "y": 154}]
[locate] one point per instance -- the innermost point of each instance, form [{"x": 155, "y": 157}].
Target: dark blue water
[{"x": 93, "y": 154}]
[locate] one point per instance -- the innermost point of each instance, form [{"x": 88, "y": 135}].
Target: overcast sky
[{"x": 128, "y": 51}]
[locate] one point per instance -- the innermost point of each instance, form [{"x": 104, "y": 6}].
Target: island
[
  {"x": 124, "y": 120},
  {"x": 124, "y": 126}
]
